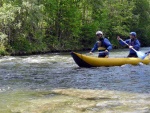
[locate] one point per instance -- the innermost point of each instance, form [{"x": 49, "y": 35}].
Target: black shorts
[
  {"x": 103, "y": 54},
  {"x": 132, "y": 55}
]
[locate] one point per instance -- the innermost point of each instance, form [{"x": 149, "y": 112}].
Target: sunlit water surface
[{"x": 53, "y": 83}]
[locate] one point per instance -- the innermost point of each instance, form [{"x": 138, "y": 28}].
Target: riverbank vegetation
[{"x": 32, "y": 26}]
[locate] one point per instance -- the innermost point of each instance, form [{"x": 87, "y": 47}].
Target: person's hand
[
  {"x": 130, "y": 47},
  {"x": 106, "y": 51},
  {"x": 90, "y": 52},
  {"x": 118, "y": 38}
]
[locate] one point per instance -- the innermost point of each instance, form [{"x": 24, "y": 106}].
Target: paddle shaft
[{"x": 128, "y": 45}]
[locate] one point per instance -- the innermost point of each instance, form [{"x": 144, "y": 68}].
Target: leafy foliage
[{"x": 28, "y": 26}]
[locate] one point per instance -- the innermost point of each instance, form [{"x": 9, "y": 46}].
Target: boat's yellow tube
[{"x": 97, "y": 62}]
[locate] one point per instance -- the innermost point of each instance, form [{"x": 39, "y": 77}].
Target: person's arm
[
  {"x": 121, "y": 42},
  {"x": 137, "y": 45},
  {"x": 108, "y": 44},
  {"x": 94, "y": 48}
]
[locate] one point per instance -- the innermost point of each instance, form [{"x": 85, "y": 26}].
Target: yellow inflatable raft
[{"x": 89, "y": 61}]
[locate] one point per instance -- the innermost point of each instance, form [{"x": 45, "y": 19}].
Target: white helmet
[{"x": 99, "y": 32}]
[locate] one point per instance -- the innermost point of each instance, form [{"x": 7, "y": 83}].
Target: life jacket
[
  {"x": 132, "y": 42},
  {"x": 101, "y": 46}
]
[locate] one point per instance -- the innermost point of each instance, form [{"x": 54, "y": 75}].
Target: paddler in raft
[
  {"x": 133, "y": 42},
  {"x": 103, "y": 45}
]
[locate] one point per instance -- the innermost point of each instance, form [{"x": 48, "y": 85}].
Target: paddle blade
[{"x": 141, "y": 55}]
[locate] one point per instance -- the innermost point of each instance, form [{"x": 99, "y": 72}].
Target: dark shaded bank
[
  {"x": 46, "y": 52},
  {"x": 23, "y": 53},
  {"x": 54, "y": 51}
]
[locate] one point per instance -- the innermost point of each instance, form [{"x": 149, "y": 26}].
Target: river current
[{"x": 53, "y": 83}]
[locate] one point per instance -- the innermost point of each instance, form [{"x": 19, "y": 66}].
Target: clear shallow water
[{"x": 53, "y": 83}]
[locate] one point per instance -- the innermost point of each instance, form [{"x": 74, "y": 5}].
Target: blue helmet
[{"x": 133, "y": 33}]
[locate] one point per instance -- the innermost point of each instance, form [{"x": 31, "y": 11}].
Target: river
[{"x": 53, "y": 83}]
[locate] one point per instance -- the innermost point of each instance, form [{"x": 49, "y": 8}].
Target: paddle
[
  {"x": 96, "y": 52},
  {"x": 140, "y": 54},
  {"x": 101, "y": 52}
]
